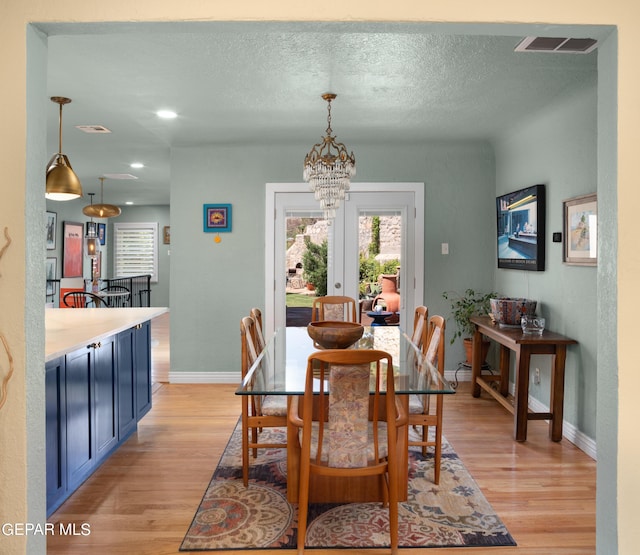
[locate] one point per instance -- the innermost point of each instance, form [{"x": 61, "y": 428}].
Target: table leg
[
  {"x": 505, "y": 356},
  {"x": 523, "y": 357},
  {"x": 557, "y": 393},
  {"x": 476, "y": 363}
]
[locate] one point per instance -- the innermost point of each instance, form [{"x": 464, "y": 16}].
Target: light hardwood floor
[{"x": 141, "y": 501}]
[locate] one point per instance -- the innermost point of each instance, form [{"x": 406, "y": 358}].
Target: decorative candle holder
[{"x": 532, "y": 324}]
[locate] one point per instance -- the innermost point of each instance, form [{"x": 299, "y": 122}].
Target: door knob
[{"x": 337, "y": 285}]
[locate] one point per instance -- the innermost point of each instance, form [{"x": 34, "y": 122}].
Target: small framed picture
[
  {"x": 72, "y": 236},
  {"x": 166, "y": 235},
  {"x": 51, "y": 271},
  {"x": 102, "y": 233},
  {"x": 51, "y": 227},
  {"x": 217, "y": 218},
  {"x": 580, "y": 216}
]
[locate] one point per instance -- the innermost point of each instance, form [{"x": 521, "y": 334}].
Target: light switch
[{"x": 445, "y": 248}]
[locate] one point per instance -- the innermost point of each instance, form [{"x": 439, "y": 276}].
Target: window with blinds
[{"x": 136, "y": 249}]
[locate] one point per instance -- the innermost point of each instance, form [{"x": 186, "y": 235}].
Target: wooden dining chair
[
  {"x": 422, "y": 412},
  {"x": 82, "y": 299},
  {"x": 334, "y": 307},
  {"x": 260, "y": 341},
  {"x": 419, "y": 335},
  {"x": 258, "y": 411},
  {"x": 347, "y": 436}
]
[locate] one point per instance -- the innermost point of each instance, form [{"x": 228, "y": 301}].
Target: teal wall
[
  {"x": 557, "y": 147},
  {"x": 214, "y": 284}
]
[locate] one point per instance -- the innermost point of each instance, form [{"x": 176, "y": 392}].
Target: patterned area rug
[{"x": 230, "y": 516}]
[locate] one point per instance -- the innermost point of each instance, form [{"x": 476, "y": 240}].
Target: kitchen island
[
  {"x": 98, "y": 387},
  {"x": 69, "y": 329}
]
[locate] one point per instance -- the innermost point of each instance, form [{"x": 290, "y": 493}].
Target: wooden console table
[{"x": 523, "y": 345}]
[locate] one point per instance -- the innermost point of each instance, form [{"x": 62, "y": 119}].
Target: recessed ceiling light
[
  {"x": 129, "y": 202},
  {"x": 137, "y": 165},
  {"x": 166, "y": 114}
]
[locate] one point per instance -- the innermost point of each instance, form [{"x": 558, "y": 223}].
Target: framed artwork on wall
[
  {"x": 166, "y": 235},
  {"x": 72, "y": 236},
  {"x": 51, "y": 271},
  {"x": 580, "y": 227},
  {"x": 217, "y": 218},
  {"x": 51, "y": 226},
  {"x": 521, "y": 229},
  {"x": 102, "y": 233}
]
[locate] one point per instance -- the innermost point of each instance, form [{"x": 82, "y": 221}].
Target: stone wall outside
[{"x": 390, "y": 239}]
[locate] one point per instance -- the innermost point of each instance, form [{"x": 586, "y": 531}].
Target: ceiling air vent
[
  {"x": 93, "y": 128},
  {"x": 556, "y": 44},
  {"x": 119, "y": 176}
]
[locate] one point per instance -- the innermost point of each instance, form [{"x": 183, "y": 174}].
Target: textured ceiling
[{"x": 253, "y": 83}]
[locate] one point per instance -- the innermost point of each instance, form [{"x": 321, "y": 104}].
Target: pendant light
[
  {"x": 329, "y": 168},
  {"x": 101, "y": 210},
  {"x": 62, "y": 182},
  {"x": 91, "y": 240}
]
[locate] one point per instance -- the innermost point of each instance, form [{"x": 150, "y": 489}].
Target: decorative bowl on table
[
  {"x": 335, "y": 334},
  {"x": 508, "y": 312}
]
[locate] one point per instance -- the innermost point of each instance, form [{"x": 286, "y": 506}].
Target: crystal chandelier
[{"x": 329, "y": 168}]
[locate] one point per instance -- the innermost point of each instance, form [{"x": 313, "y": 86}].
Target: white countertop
[{"x": 68, "y": 329}]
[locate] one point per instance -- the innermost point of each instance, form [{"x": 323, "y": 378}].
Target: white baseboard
[
  {"x": 463, "y": 374},
  {"x": 569, "y": 431},
  {"x": 204, "y": 377}
]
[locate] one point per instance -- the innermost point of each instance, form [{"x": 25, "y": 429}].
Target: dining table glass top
[{"x": 280, "y": 368}]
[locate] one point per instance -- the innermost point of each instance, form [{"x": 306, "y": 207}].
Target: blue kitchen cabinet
[
  {"x": 134, "y": 377},
  {"x": 56, "y": 430},
  {"x": 95, "y": 397},
  {"x": 142, "y": 357}
]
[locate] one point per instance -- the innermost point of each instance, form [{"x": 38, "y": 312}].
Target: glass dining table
[{"x": 280, "y": 369}]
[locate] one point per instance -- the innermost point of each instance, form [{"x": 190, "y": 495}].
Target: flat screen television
[{"x": 521, "y": 229}]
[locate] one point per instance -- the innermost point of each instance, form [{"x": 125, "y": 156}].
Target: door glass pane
[
  {"x": 398, "y": 209},
  {"x": 380, "y": 253},
  {"x": 305, "y": 263}
]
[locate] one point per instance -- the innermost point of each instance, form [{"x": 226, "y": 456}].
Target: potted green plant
[{"x": 463, "y": 307}]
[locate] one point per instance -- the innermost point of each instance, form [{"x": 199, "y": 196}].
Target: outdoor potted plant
[{"x": 463, "y": 307}]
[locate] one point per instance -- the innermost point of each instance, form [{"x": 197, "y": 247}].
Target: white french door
[{"x": 402, "y": 201}]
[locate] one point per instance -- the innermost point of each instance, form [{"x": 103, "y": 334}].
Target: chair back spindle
[{"x": 334, "y": 307}]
